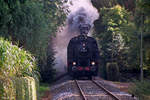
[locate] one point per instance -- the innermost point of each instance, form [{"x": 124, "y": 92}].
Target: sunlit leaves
[
  {"x": 31, "y": 23},
  {"x": 118, "y": 36},
  {"x": 15, "y": 61}
]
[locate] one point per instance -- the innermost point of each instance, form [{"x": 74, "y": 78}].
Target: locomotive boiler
[{"x": 82, "y": 55}]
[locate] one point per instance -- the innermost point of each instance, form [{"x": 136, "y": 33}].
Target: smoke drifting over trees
[{"x": 80, "y": 12}]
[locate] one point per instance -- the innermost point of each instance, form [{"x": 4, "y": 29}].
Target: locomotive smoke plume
[{"x": 81, "y": 12}]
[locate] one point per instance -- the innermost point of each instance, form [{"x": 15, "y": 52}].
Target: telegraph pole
[{"x": 141, "y": 50}]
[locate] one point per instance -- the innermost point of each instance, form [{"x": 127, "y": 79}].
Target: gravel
[{"x": 68, "y": 91}]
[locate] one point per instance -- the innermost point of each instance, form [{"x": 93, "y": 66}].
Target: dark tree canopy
[{"x": 31, "y": 24}]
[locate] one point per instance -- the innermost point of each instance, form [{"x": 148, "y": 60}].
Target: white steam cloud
[{"x": 80, "y": 12}]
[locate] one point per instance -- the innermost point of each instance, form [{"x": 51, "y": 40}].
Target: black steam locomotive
[{"x": 82, "y": 57}]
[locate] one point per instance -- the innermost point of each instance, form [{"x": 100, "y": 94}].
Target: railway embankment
[{"x": 69, "y": 90}]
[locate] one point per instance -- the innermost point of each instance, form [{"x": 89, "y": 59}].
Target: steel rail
[
  {"x": 106, "y": 90},
  {"x": 81, "y": 92}
]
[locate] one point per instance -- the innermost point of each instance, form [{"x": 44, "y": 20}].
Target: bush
[
  {"x": 7, "y": 90},
  {"x": 141, "y": 89},
  {"x": 16, "y": 65},
  {"x": 15, "y": 62}
]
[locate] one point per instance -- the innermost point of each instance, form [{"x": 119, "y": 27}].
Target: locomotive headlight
[
  {"x": 74, "y": 63},
  {"x": 93, "y": 63}
]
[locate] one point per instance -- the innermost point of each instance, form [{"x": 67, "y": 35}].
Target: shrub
[
  {"x": 16, "y": 65},
  {"x": 141, "y": 89},
  {"x": 7, "y": 90},
  {"x": 15, "y": 62}
]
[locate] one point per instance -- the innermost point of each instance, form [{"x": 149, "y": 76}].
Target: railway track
[
  {"x": 106, "y": 90},
  {"x": 80, "y": 89},
  {"x": 82, "y": 94}
]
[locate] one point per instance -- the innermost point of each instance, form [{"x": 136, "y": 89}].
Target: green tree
[
  {"x": 115, "y": 33},
  {"x": 127, "y": 4},
  {"x": 54, "y": 13},
  {"x": 142, "y": 13},
  {"x": 31, "y": 24},
  {"x": 137, "y": 18},
  {"x": 104, "y": 3}
]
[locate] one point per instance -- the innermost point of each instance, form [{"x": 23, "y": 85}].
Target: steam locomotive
[{"x": 82, "y": 57}]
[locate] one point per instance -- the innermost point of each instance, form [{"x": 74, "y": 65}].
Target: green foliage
[
  {"x": 112, "y": 71},
  {"x": 27, "y": 25},
  {"x": 43, "y": 88},
  {"x": 128, "y": 4},
  {"x": 55, "y": 17},
  {"x": 142, "y": 16},
  {"x": 147, "y": 59},
  {"x": 15, "y": 62},
  {"x": 144, "y": 6},
  {"x": 32, "y": 24},
  {"x": 47, "y": 72},
  {"x": 104, "y": 3},
  {"x": 117, "y": 38},
  {"x": 7, "y": 90},
  {"x": 141, "y": 89},
  {"x": 117, "y": 27},
  {"x": 142, "y": 20}
]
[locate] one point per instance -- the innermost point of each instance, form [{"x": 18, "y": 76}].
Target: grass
[
  {"x": 141, "y": 89},
  {"x": 43, "y": 88}
]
